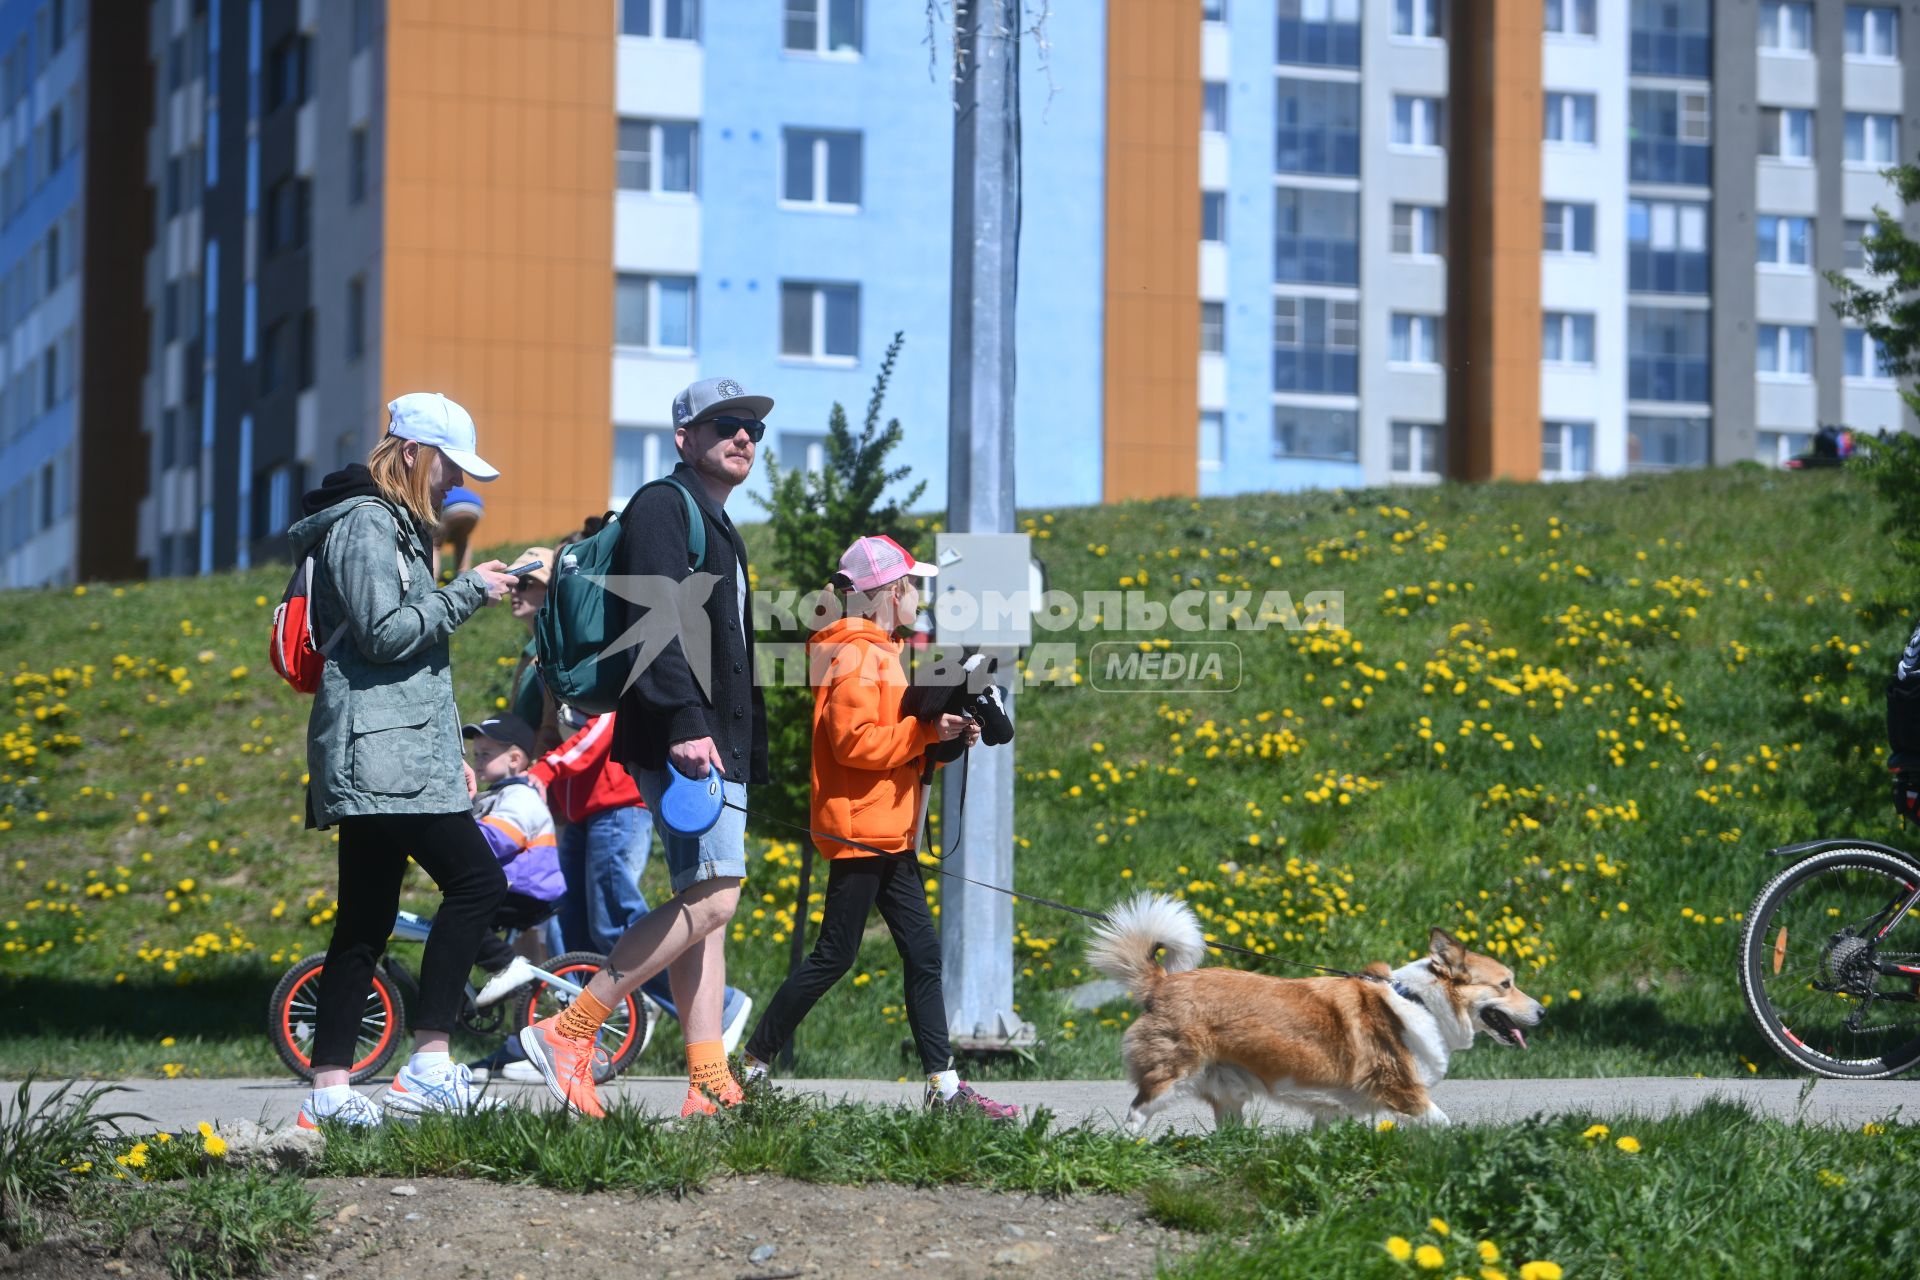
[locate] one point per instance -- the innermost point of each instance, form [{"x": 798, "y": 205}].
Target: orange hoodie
[{"x": 866, "y": 759}]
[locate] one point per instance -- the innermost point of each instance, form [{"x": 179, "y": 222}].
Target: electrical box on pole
[{"x": 976, "y": 925}]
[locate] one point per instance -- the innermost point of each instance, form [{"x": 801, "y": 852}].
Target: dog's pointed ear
[{"x": 1448, "y": 956}]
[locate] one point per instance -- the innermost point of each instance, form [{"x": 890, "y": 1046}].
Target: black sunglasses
[{"x": 732, "y": 426}]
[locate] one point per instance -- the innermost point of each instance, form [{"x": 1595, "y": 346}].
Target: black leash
[{"x": 939, "y": 869}]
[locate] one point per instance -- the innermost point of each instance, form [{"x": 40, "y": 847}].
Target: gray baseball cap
[{"x": 710, "y": 397}]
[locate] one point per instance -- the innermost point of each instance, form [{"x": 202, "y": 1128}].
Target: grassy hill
[{"x": 1565, "y": 721}]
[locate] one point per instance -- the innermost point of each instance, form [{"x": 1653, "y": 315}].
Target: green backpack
[{"x": 574, "y": 625}]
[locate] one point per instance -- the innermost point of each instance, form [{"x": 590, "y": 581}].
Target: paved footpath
[{"x": 175, "y": 1104}]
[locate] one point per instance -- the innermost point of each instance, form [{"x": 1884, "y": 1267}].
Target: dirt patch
[{"x": 745, "y": 1228}]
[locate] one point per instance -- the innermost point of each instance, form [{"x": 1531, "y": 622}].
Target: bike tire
[
  {"x": 624, "y": 1035},
  {"x": 1764, "y": 942},
  {"x": 290, "y": 1012}
]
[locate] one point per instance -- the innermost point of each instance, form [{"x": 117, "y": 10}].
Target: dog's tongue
[{"x": 1519, "y": 1037}]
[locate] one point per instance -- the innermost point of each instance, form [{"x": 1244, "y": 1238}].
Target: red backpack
[{"x": 290, "y": 647}]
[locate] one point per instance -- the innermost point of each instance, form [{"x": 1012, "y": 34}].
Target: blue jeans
[{"x": 602, "y": 859}]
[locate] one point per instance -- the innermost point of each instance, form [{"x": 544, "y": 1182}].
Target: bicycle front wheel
[
  {"x": 292, "y": 1014},
  {"x": 1814, "y": 961},
  {"x": 624, "y": 1034}
]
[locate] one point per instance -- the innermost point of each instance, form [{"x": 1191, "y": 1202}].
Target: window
[
  {"x": 1872, "y": 139},
  {"x": 1316, "y": 345},
  {"x": 640, "y": 455},
  {"x": 357, "y": 165},
  {"x": 1303, "y": 432},
  {"x": 1571, "y": 18},
  {"x": 46, "y": 496},
  {"x": 1873, "y": 31},
  {"x": 1416, "y": 231},
  {"x": 50, "y": 377},
  {"x": 279, "y": 499},
  {"x": 1570, "y": 118},
  {"x": 54, "y": 130},
  {"x": 657, "y": 156},
  {"x": 1416, "y": 121},
  {"x": 1667, "y": 248},
  {"x": 1566, "y": 337},
  {"x": 1669, "y": 136},
  {"x": 1566, "y": 448},
  {"x": 53, "y": 259},
  {"x": 56, "y": 27},
  {"x": 1786, "y": 26},
  {"x": 1775, "y": 447},
  {"x": 1785, "y": 351},
  {"x": 1661, "y": 444},
  {"x": 1416, "y": 339},
  {"x": 1213, "y": 217},
  {"x": 1786, "y": 133},
  {"x": 1865, "y": 360},
  {"x": 1213, "y": 107},
  {"x": 819, "y": 321},
  {"x": 1854, "y": 245},
  {"x": 1672, "y": 37},
  {"x": 1213, "y": 440},
  {"x": 1784, "y": 241},
  {"x": 822, "y": 168},
  {"x": 287, "y": 74},
  {"x": 170, "y": 311},
  {"x": 356, "y": 317},
  {"x": 804, "y": 450},
  {"x": 363, "y": 16},
  {"x": 1213, "y": 10},
  {"x": 286, "y": 215},
  {"x": 1417, "y": 19},
  {"x": 1319, "y": 33},
  {"x": 654, "y": 312},
  {"x": 1414, "y": 450},
  {"x": 823, "y": 26},
  {"x": 1568, "y": 227},
  {"x": 273, "y": 357},
  {"x": 1213, "y": 327},
  {"x": 1667, "y": 354},
  {"x": 1317, "y": 127},
  {"x": 667, "y": 19},
  {"x": 1316, "y": 236}
]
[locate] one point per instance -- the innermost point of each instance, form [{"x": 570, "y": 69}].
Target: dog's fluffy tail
[{"x": 1123, "y": 946}]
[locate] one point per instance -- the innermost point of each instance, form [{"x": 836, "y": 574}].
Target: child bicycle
[
  {"x": 291, "y": 1010},
  {"x": 1830, "y": 959}
]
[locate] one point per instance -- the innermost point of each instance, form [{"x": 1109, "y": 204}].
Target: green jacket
[{"x": 384, "y": 733}]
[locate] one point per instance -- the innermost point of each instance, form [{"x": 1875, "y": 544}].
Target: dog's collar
[{"x": 1406, "y": 992}]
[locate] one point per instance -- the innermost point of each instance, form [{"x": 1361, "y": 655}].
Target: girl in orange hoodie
[{"x": 866, "y": 787}]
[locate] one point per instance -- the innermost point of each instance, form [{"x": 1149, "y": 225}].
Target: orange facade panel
[
  {"x": 1151, "y": 356},
  {"x": 499, "y": 242}
]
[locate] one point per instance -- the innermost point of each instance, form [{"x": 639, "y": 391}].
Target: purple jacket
[{"x": 519, "y": 830}]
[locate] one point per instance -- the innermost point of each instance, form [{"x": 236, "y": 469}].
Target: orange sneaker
[
  {"x": 566, "y": 1064},
  {"x": 701, "y": 1103}
]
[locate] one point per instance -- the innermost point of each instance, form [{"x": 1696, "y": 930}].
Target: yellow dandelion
[
  {"x": 216, "y": 1146},
  {"x": 1540, "y": 1271},
  {"x": 1428, "y": 1258},
  {"x": 1489, "y": 1251},
  {"x": 1629, "y": 1145},
  {"x": 1438, "y": 1226},
  {"x": 1596, "y": 1132},
  {"x": 1398, "y": 1247}
]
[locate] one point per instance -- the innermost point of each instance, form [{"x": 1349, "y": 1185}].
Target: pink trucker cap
[{"x": 872, "y": 563}]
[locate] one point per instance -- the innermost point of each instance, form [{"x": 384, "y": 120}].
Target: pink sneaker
[{"x": 967, "y": 1099}]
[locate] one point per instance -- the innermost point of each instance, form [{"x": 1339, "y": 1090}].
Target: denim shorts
[{"x": 720, "y": 853}]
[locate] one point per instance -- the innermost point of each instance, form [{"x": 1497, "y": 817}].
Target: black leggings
[
  {"x": 517, "y": 911},
  {"x": 854, "y": 886},
  {"x": 373, "y": 861}
]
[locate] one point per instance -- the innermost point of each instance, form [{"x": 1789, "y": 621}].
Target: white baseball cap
[
  {"x": 430, "y": 418},
  {"x": 871, "y": 563}
]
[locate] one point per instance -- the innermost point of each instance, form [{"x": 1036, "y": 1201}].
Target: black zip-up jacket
[{"x": 665, "y": 705}]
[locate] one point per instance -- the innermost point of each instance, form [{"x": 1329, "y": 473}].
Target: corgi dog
[{"x": 1331, "y": 1047}]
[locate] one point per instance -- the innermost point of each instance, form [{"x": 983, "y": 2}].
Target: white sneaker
[
  {"x": 736, "y": 1027},
  {"x": 449, "y": 1091},
  {"x": 520, "y": 1071},
  {"x": 356, "y": 1112},
  {"x": 506, "y": 982}
]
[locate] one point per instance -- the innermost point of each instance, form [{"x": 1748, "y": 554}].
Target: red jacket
[{"x": 580, "y": 778}]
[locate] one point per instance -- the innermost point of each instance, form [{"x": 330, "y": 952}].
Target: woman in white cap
[
  {"x": 384, "y": 755},
  {"x": 867, "y": 758}
]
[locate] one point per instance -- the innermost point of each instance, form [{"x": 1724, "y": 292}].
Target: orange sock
[
  {"x": 707, "y": 1070},
  {"x": 581, "y": 1020}
]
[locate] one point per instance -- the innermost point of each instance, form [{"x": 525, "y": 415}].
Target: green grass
[
  {"x": 1715, "y": 1193},
  {"x": 1732, "y": 627}
]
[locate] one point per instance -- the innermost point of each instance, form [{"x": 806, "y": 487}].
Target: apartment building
[{"x": 71, "y": 226}]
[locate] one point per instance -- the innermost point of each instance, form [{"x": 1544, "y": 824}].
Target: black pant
[
  {"x": 854, "y": 885},
  {"x": 373, "y": 861},
  {"x": 516, "y": 911}
]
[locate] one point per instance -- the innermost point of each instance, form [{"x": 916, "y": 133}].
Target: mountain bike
[
  {"x": 383, "y": 1023},
  {"x": 1830, "y": 959}
]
